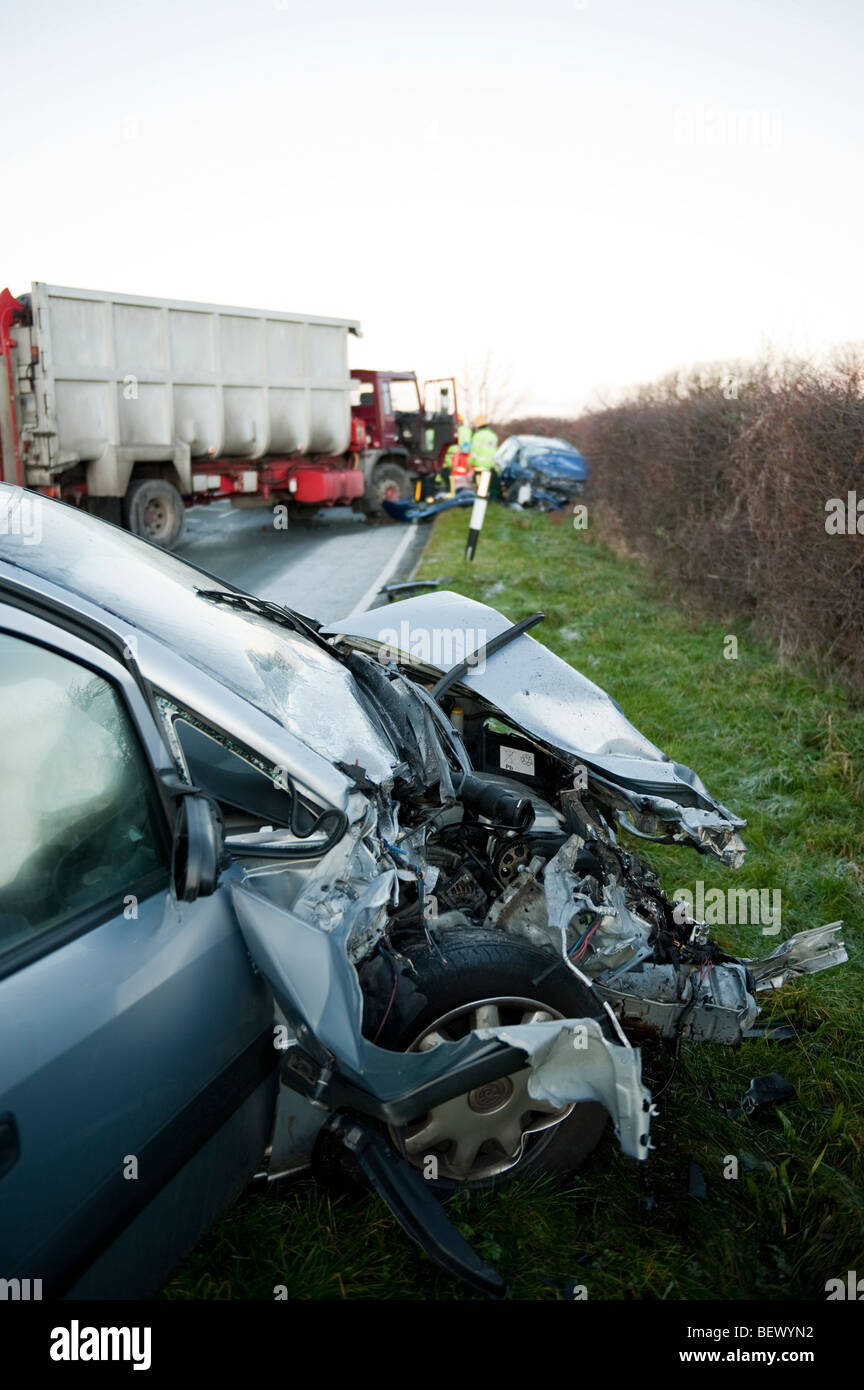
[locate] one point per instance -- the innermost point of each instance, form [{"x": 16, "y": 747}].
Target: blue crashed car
[{"x": 541, "y": 471}]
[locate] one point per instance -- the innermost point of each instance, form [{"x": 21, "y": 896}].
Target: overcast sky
[{"x": 594, "y": 192}]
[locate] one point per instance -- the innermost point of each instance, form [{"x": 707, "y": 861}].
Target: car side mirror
[{"x": 199, "y": 852}]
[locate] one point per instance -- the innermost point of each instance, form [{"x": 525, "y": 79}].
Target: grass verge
[{"x": 786, "y": 751}]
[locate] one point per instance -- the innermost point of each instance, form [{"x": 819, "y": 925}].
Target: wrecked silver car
[{"x": 424, "y": 858}]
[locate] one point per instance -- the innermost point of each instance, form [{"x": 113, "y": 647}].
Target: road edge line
[{"x": 378, "y": 584}]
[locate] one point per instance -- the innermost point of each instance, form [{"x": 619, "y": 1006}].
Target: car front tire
[{"x": 495, "y": 1133}]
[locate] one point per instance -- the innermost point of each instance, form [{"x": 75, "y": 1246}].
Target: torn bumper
[
  {"x": 806, "y": 953},
  {"x": 571, "y": 1061}
]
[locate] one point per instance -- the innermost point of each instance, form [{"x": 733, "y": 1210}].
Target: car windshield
[
  {"x": 283, "y": 674},
  {"x": 549, "y": 446}
]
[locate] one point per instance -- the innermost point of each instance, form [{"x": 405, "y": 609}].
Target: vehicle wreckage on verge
[{"x": 425, "y": 865}]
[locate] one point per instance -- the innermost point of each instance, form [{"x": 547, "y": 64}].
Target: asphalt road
[{"x": 326, "y": 567}]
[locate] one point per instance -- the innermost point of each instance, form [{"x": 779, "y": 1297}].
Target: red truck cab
[{"x": 407, "y": 433}]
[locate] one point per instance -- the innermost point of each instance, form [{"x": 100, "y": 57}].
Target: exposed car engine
[
  {"x": 560, "y": 879},
  {"x": 538, "y": 856}
]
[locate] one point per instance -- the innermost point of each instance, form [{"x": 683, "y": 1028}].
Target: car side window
[
  {"x": 80, "y": 823},
  {"x": 236, "y": 783}
]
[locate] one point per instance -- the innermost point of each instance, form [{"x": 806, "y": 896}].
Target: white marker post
[{"x": 478, "y": 512}]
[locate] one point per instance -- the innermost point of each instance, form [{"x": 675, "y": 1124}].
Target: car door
[{"x": 137, "y": 1067}]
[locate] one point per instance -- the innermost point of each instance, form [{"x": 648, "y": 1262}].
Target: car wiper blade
[
  {"x": 489, "y": 648},
  {"x": 264, "y": 608},
  {"x": 250, "y": 603}
]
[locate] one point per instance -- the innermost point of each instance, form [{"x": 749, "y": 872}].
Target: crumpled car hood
[
  {"x": 547, "y": 698},
  {"x": 531, "y": 685}
]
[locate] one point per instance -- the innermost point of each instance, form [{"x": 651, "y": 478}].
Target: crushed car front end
[
  {"x": 430, "y": 819},
  {"x": 498, "y": 825}
]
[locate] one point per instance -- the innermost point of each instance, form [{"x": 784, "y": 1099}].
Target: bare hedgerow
[{"x": 720, "y": 478}]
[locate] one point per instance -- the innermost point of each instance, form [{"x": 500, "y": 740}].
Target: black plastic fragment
[
  {"x": 414, "y": 1205},
  {"x": 766, "y": 1090},
  {"x": 773, "y": 1032},
  {"x": 358, "y": 776}
]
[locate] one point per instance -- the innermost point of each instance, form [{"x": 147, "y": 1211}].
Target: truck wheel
[
  {"x": 389, "y": 482},
  {"x": 489, "y": 1136},
  {"x": 153, "y": 509}
]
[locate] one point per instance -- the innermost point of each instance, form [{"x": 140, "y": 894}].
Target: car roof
[{"x": 547, "y": 441}]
